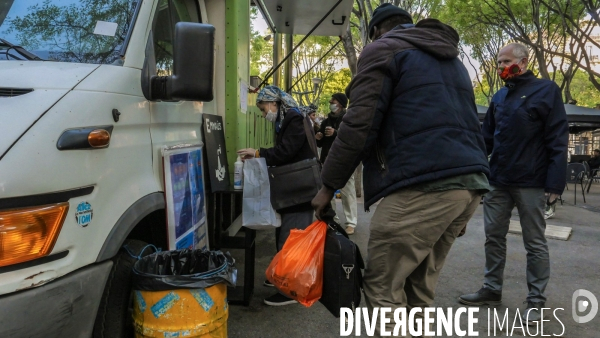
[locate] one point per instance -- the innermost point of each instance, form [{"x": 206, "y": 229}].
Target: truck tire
[{"x": 113, "y": 319}]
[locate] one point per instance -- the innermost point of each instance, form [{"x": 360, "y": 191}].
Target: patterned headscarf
[
  {"x": 305, "y": 110},
  {"x": 275, "y": 94}
]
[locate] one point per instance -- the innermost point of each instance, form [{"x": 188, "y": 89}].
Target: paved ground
[{"x": 575, "y": 265}]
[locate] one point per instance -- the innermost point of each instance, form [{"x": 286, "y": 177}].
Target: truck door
[{"x": 172, "y": 122}]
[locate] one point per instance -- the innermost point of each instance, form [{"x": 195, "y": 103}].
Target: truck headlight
[{"x": 30, "y": 233}]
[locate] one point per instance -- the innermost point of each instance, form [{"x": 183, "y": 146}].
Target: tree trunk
[{"x": 350, "y": 51}]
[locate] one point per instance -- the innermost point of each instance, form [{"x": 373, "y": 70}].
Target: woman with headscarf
[{"x": 291, "y": 146}]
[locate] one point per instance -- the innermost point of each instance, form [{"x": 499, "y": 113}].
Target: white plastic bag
[{"x": 257, "y": 212}]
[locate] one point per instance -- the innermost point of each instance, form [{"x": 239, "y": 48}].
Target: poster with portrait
[{"x": 185, "y": 197}]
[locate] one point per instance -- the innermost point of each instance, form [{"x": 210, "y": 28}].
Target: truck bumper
[{"x": 65, "y": 307}]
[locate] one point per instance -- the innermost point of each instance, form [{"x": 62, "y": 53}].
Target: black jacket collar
[{"x": 521, "y": 79}]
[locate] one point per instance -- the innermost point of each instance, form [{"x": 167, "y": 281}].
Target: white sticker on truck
[{"x": 106, "y": 28}]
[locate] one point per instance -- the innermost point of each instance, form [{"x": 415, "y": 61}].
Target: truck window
[
  {"x": 168, "y": 13},
  {"x": 83, "y": 31}
]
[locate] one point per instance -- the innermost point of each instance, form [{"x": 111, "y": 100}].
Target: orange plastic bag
[{"x": 297, "y": 270}]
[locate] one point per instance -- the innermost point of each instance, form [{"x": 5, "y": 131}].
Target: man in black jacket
[
  {"x": 325, "y": 138},
  {"x": 411, "y": 99},
  {"x": 526, "y": 132},
  {"x": 594, "y": 162}
]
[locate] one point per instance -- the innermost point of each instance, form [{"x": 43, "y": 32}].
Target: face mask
[
  {"x": 507, "y": 73},
  {"x": 333, "y": 107},
  {"x": 271, "y": 115}
]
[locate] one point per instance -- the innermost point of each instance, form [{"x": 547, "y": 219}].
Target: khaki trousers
[
  {"x": 411, "y": 233},
  {"x": 349, "y": 203}
]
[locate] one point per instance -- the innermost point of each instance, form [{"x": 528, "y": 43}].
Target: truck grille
[{"x": 12, "y": 92}]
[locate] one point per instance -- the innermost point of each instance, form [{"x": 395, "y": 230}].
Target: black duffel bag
[{"x": 299, "y": 182}]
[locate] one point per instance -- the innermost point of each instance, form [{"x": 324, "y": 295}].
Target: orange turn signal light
[
  {"x": 30, "y": 233},
  {"x": 99, "y": 138}
]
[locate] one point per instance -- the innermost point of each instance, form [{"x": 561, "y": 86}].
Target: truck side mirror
[{"x": 193, "y": 66}]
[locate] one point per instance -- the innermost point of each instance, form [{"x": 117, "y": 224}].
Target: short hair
[
  {"x": 391, "y": 22},
  {"x": 518, "y": 50}
]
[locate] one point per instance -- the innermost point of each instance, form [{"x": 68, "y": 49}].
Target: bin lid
[{"x": 299, "y": 17}]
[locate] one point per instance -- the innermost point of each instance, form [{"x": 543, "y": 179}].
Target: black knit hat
[
  {"x": 383, "y": 12},
  {"x": 341, "y": 98}
]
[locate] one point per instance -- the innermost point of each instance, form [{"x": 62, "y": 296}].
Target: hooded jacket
[
  {"x": 527, "y": 133},
  {"x": 412, "y": 115}
]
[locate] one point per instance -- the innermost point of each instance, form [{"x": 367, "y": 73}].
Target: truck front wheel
[{"x": 113, "y": 319}]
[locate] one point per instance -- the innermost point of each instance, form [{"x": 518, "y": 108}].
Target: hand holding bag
[
  {"x": 299, "y": 182},
  {"x": 257, "y": 212}
]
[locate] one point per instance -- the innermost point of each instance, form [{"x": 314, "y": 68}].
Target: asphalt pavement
[{"x": 574, "y": 265}]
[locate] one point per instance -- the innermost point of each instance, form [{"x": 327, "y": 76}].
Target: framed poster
[
  {"x": 185, "y": 197},
  {"x": 216, "y": 154}
]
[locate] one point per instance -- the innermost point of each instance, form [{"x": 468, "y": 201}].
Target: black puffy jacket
[
  {"x": 412, "y": 115},
  {"x": 527, "y": 133}
]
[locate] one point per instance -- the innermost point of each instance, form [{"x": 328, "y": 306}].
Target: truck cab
[{"x": 89, "y": 94}]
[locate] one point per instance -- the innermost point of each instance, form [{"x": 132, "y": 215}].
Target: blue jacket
[
  {"x": 412, "y": 115},
  {"x": 527, "y": 133}
]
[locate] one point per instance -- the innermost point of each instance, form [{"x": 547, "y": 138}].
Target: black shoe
[
  {"x": 267, "y": 283},
  {"x": 535, "y": 312},
  {"x": 279, "y": 300},
  {"x": 484, "y": 296}
]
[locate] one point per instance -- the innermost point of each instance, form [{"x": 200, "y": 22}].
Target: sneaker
[
  {"x": 484, "y": 296},
  {"x": 533, "y": 314},
  {"x": 279, "y": 300},
  {"x": 550, "y": 210},
  {"x": 350, "y": 230},
  {"x": 267, "y": 283}
]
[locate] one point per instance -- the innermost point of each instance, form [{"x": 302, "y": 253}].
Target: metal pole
[
  {"x": 313, "y": 66},
  {"x": 276, "y": 59},
  {"x": 288, "y": 68},
  {"x": 298, "y": 45}
]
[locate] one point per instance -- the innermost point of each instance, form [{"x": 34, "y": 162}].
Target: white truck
[{"x": 89, "y": 93}]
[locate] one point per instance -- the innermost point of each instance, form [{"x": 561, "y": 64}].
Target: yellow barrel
[{"x": 181, "y": 313}]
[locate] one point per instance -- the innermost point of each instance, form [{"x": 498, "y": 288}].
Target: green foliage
[
  {"x": 336, "y": 83},
  {"x": 261, "y": 51}
]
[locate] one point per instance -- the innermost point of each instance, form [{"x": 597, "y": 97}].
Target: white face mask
[
  {"x": 333, "y": 107},
  {"x": 271, "y": 115}
]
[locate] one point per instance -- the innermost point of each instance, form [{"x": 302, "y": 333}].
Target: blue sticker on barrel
[
  {"x": 140, "y": 301},
  {"x": 163, "y": 305},
  {"x": 203, "y": 298}
]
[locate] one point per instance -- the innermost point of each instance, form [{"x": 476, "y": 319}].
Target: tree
[
  {"x": 337, "y": 83},
  {"x": 357, "y": 32},
  {"x": 307, "y": 56},
  {"x": 67, "y": 31},
  {"x": 261, "y": 50}
]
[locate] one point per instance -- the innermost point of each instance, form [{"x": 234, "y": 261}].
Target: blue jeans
[{"x": 497, "y": 208}]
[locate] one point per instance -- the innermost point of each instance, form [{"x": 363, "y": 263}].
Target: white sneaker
[{"x": 550, "y": 210}]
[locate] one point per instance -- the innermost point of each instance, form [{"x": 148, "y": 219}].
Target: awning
[
  {"x": 581, "y": 119},
  {"x": 298, "y": 17}
]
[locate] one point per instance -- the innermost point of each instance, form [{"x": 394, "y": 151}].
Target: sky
[{"x": 260, "y": 25}]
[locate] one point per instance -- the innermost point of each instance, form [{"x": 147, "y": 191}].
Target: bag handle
[{"x": 310, "y": 136}]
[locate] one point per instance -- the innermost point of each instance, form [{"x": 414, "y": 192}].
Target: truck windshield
[{"x": 83, "y": 31}]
